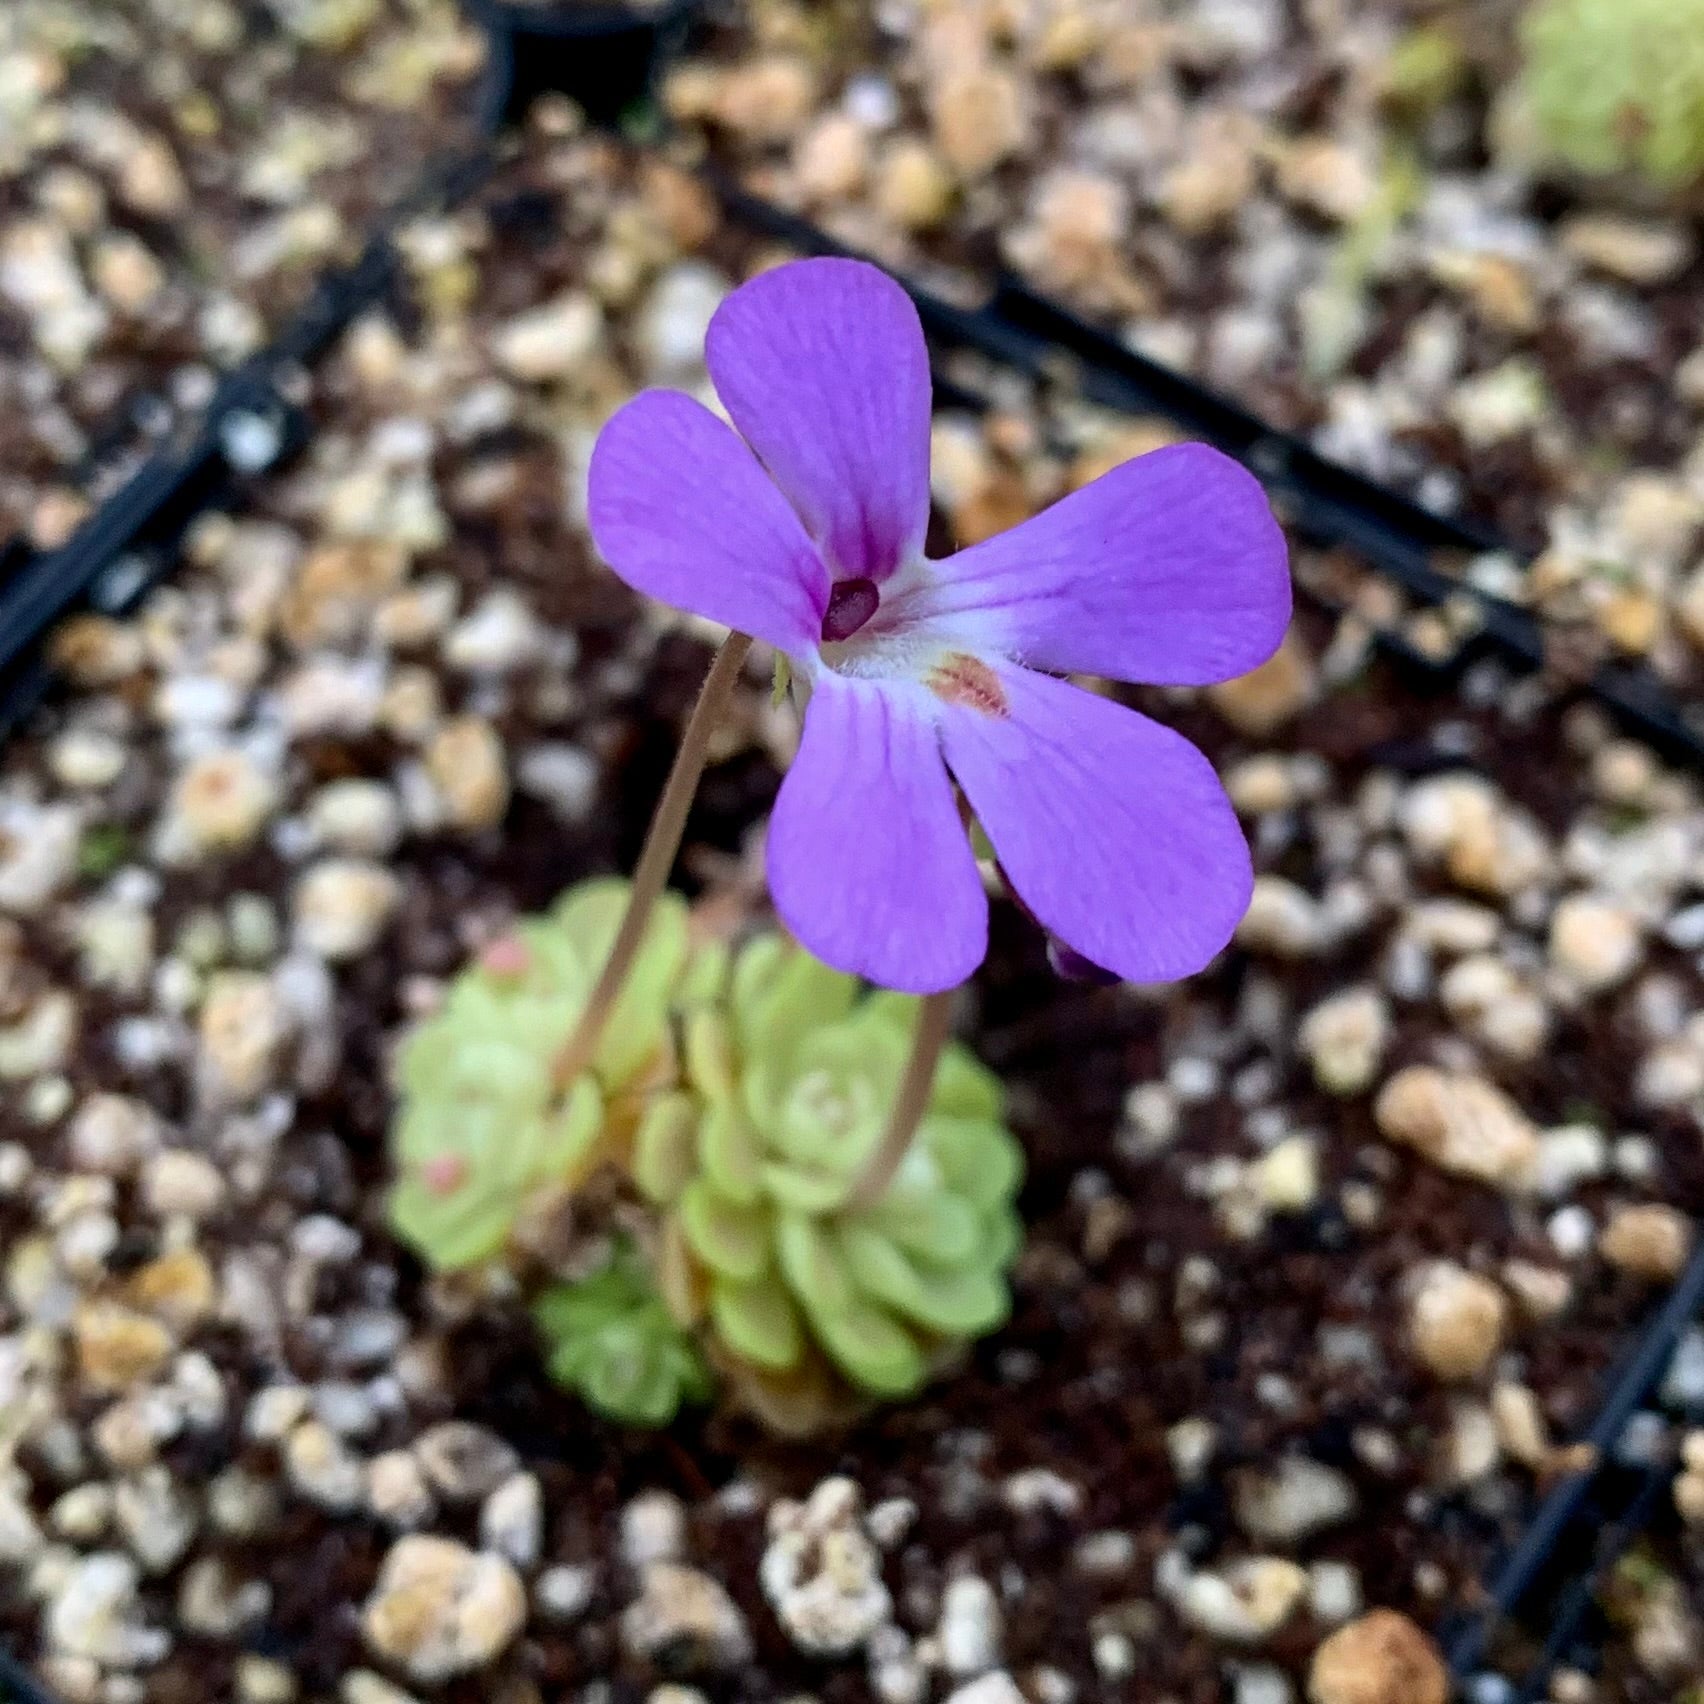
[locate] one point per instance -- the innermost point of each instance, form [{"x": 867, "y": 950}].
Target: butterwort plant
[
  {"x": 803, "y": 524},
  {"x": 814, "y": 1198}
]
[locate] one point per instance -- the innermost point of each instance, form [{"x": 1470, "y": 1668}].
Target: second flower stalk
[{"x": 650, "y": 881}]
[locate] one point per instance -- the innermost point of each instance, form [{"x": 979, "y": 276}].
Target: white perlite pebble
[
  {"x": 821, "y": 1571},
  {"x": 550, "y": 341},
  {"x": 111, "y": 1133},
  {"x": 1344, "y": 1039},
  {"x": 685, "y": 1620},
  {"x": 1036, "y": 1489},
  {"x": 996, "y": 1688},
  {"x": 653, "y": 1529},
  {"x": 397, "y": 1492},
  {"x": 356, "y": 816},
  {"x": 95, "y": 1615},
  {"x": 464, "y": 1462},
  {"x": 218, "y": 1604},
  {"x": 439, "y": 1609},
  {"x": 970, "y": 1626},
  {"x": 1240, "y": 1604},
  {"x": 674, "y": 319},
  {"x": 273, "y": 1411},
  {"x": 362, "y": 1686},
  {"x": 38, "y": 853},
  {"x": 180, "y": 1182},
  {"x": 512, "y": 1520},
  {"x": 565, "y": 1593},
  {"x": 500, "y": 635},
  {"x": 1594, "y": 942},
  {"x": 322, "y": 1468},
  {"x": 20, "y": 1538},
  {"x": 156, "y": 1518},
  {"x": 565, "y": 777},
  {"x": 1297, "y": 1498}
]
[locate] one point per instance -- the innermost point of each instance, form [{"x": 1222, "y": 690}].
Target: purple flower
[{"x": 806, "y": 530}]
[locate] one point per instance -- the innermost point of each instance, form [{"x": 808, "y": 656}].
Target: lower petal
[
  {"x": 1114, "y": 830},
  {"x": 869, "y": 862}
]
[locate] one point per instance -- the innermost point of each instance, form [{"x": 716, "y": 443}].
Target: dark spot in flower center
[{"x": 850, "y": 605}]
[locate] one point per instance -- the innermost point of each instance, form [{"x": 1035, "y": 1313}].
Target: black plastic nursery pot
[
  {"x": 602, "y": 54},
  {"x": 1541, "y": 1556}
]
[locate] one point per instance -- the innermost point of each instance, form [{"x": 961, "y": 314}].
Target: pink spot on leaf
[
  {"x": 507, "y": 957},
  {"x": 444, "y": 1174}
]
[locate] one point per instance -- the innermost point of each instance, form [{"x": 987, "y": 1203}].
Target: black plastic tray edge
[{"x": 18, "y": 1685}]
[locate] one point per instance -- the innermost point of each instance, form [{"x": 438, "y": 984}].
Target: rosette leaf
[
  {"x": 483, "y": 1125},
  {"x": 792, "y": 1078},
  {"x": 610, "y": 1339},
  {"x": 1617, "y": 86}
]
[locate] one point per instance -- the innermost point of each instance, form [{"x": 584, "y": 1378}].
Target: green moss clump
[
  {"x": 610, "y": 1339},
  {"x": 1618, "y": 86},
  {"x": 806, "y": 1296}
]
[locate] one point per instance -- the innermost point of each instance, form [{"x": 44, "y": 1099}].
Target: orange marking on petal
[
  {"x": 962, "y": 679},
  {"x": 444, "y": 1174}
]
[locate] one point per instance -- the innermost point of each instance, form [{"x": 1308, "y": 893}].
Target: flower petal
[
  {"x": 683, "y": 513},
  {"x": 869, "y": 864},
  {"x": 821, "y": 365},
  {"x": 1169, "y": 569},
  {"x": 1114, "y": 830}
]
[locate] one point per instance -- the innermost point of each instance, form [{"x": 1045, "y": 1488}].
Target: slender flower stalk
[
  {"x": 656, "y": 859},
  {"x": 934, "y": 1021}
]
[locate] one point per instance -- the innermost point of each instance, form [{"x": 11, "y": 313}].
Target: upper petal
[
  {"x": 1115, "y": 830},
  {"x": 683, "y": 513},
  {"x": 821, "y": 364},
  {"x": 1170, "y": 569},
  {"x": 869, "y": 863}
]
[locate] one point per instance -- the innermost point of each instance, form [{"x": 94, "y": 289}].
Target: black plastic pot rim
[{"x": 587, "y": 19}]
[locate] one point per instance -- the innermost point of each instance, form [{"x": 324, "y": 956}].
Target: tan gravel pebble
[
  {"x": 223, "y": 800},
  {"x": 1262, "y": 701},
  {"x": 118, "y": 1347},
  {"x": 439, "y": 1610},
  {"x": 685, "y": 1618},
  {"x": 1650, "y": 1241},
  {"x": 1456, "y": 1321},
  {"x": 466, "y": 763},
  {"x": 1383, "y": 1658},
  {"x": 1460, "y": 1123},
  {"x": 341, "y": 906},
  {"x": 1594, "y": 942}
]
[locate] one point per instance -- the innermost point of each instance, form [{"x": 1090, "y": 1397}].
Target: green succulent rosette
[
  {"x": 483, "y": 1127},
  {"x": 610, "y": 1339},
  {"x": 791, "y": 1076},
  {"x": 1618, "y": 86}
]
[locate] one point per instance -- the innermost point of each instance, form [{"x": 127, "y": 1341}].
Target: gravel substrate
[
  {"x": 1329, "y": 1249},
  {"x": 173, "y": 176},
  {"x": 1312, "y": 206}
]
